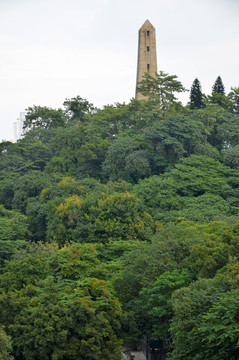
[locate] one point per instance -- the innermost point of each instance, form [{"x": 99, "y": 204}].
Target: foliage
[
  {"x": 67, "y": 307},
  {"x": 196, "y": 97},
  {"x": 147, "y": 261},
  {"x": 5, "y": 345},
  {"x": 19, "y": 158},
  {"x": 169, "y": 140},
  {"x": 178, "y": 254},
  {"x": 189, "y": 305},
  {"x": 63, "y": 321},
  {"x": 197, "y": 175},
  {"x": 158, "y": 193},
  {"x": 43, "y": 117},
  {"x": 156, "y": 301},
  {"x": 219, "y": 328},
  {"x": 203, "y": 208},
  {"x": 110, "y": 217},
  {"x": 212, "y": 116},
  {"x": 221, "y": 100},
  {"x": 218, "y": 86},
  {"x": 144, "y": 113},
  {"x": 125, "y": 160},
  {"x": 161, "y": 88},
  {"x": 110, "y": 121},
  {"x": 120, "y": 223},
  {"x": 231, "y": 157},
  {"x": 234, "y": 97},
  {"x": 207, "y": 318},
  {"x": 13, "y": 233},
  {"x": 228, "y": 133},
  {"x": 77, "y": 153},
  {"x": 78, "y": 109}
]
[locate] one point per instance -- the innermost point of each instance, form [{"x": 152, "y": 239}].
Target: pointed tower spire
[{"x": 147, "y": 59}]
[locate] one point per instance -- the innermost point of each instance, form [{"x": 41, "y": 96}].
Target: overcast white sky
[{"x": 57, "y": 49}]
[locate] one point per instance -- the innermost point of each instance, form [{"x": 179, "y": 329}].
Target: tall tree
[
  {"x": 196, "y": 98},
  {"x": 218, "y": 86},
  {"x": 161, "y": 87},
  {"x": 13, "y": 235},
  {"x": 218, "y": 96},
  {"x": 234, "y": 97},
  {"x": 78, "y": 108},
  {"x": 5, "y": 345},
  {"x": 59, "y": 308},
  {"x": 43, "y": 117}
]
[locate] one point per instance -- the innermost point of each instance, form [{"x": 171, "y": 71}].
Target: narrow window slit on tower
[
  {"x": 148, "y": 67},
  {"x": 147, "y": 48},
  {"x": 147, "y": 32}
]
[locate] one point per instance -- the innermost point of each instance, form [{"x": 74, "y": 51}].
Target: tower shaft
[{"x": 147, "y": 58}]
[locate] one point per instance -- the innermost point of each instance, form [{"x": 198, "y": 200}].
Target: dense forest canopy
[{"x": 121, "y": 224}]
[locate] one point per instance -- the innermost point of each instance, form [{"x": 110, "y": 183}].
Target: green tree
[
  {"x": 69, "y": 320},
  {"x": 205, "y": 322},
  {"x": 189, "y": 306},
  {"x": 158, "y": 194},
  {"x": 44, "y": 117},
  {"x": 169, "y": 140},
  {"x": 218, "y": 95},
  {"x": 56, "y": 307},
  {"x": 200, "y": 209},
  {"x": 197, "y": 175},
  {"x": 138, "y": 164},
  {"x": 76, "y": 152},
  {"x": 78, "y": 109},
  {"x": 37, "y": 213},
  {"x": 231, "y": 157},
  {"x": 221, "y": 100},
  {"x": 13, "y": 233},
  {"x": 109, "y": 121},
  {"x": 156, "y": 301},
  {"x": 5, "y": 345},
  {"x": 219, "y": 328},
  {"x": 213, "y": 253},
  {"x": 211, "y": 117},
  {"x": 41, "y": 135},
  {"x": 122, "y": 216},
  {"x": 145, "y": 262},
  {"x": 21, "y": 157},
  {"x": 3, "y": 146},
  {"x": 234, "y": 97},
  {"x": 28, "y": 187},
  {"x": 117, "y": 161},
  {"x": 144, "y": 113},
  {"x": 196, "y": 97},
  {"x": 25, "y": 270},
  {"x": 218, "y": 86},
  {"x": 227, "y": 132},
  {"x": 154, "y": 270},
  {"x": 103, "y": 219},
  {"x": 161, "y": 87}
]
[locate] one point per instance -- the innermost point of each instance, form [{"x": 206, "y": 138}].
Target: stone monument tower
[{"x": 147, "y": 59}]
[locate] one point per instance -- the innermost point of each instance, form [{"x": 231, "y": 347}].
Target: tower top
[{"x": 147, "y": 24}]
